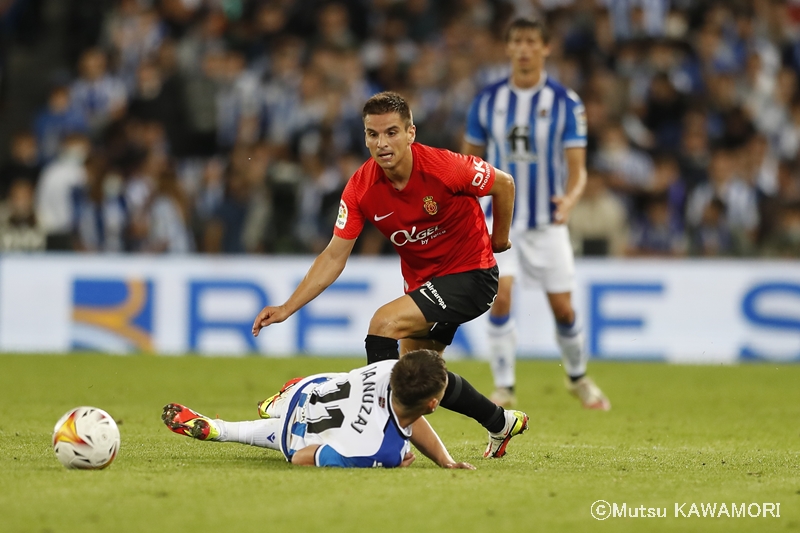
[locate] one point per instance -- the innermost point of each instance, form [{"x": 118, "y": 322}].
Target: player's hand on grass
[
  {"x": 459, "y": 466},
  {"x": 408, "y": 459},
  {"x": 269, "y": 315}
]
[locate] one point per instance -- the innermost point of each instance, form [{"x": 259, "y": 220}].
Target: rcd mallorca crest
[{"x": 431, "y": 207}]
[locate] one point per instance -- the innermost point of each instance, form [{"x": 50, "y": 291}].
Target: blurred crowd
[{"x": 231, "y": 126}]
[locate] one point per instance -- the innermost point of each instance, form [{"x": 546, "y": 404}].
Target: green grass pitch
[{"x": 676, "y": 434}]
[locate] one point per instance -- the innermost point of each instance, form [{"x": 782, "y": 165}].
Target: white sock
[
  {"x": 570, "y": 339},
  {"x": 503, "y": 352},
  {"x": 262, "y": 433}
]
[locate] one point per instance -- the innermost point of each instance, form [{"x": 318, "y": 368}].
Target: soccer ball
[{"x": 86, "y": 438}]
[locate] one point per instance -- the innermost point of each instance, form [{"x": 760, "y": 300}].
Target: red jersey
[{"x": 435, "y": 223}]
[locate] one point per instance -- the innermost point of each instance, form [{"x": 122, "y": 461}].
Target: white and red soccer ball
[{"x": 86, "y": 438}]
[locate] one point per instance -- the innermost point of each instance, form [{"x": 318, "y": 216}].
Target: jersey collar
[
  {"x": 406, "y": 432},
  {"x": 532, "y": 90}
]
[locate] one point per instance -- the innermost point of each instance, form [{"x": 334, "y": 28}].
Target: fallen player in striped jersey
[{"x": 359, "y": 419}]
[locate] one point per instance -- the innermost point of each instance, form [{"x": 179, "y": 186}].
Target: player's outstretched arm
[
  {"x": 502, "y": 193},
  {"x": 430, "y": 445},
  {"x": 576, "y": 182},
  {"x": 308, "y": 457},
  {"x": 305, "y": 456},
  {"x": 326, "y": 268}
]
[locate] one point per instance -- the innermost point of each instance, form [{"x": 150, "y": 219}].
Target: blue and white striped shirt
[
  {"x": 350, "y": 416},
  {"x": 525, "y": 132},
  {"x": 97, "y": 99}
]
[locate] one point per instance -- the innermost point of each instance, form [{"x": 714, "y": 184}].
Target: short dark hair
[
  {"x": 417, "y": 377},
  {"x": 528, "y": 24},
  {"x": 388, "y": 102}
]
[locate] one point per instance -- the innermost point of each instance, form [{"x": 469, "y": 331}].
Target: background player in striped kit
[{"x": 535, "y": 129}]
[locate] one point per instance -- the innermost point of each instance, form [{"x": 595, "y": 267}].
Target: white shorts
[{"x": 540, "y": 257}]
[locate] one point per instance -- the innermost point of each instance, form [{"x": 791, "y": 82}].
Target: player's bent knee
[
  {"x": 564, "y": 314},
  {"x": 383, "y": 326},
  {"x": 386, "y": 325},
  {"x": 561, "y": 304},
  {"x": 398, "y": 319}
]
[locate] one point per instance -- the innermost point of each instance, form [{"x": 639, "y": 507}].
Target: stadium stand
[{"x": 231, "y": 126}]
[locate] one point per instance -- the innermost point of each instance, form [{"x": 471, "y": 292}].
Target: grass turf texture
[{"x": 675, "y": 434}]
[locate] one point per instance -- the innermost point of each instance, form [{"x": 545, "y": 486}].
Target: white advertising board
[{"x": 681, "y": 311}]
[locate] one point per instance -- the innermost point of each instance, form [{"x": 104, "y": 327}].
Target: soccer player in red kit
[{"x": 425, "y": 201}]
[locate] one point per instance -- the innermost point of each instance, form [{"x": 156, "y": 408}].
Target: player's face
[
  {"x": 527, "y": 50},
  {"x": 388, "y": 139}
]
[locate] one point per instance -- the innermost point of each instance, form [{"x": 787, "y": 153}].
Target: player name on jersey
[{"x": 367, "y": 399}]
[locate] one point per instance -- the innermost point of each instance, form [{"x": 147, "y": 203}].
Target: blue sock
[
  {"x": 569, "y": 330},
  {"x": 499, "y": 320}
]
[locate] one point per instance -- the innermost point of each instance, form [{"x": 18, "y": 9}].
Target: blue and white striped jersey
[
  {"x": 96, "y": 99},
  {"x": 350, "y": 416},
  {"x": 525, "y": 132}
]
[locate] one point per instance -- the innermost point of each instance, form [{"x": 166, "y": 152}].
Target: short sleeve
[
  {"x": 476, "y": 176},
  {"x": 350, "y": 220},
  {"x": 575, "y": 122},
  {"x": 466, "y": 174},
  {"x": 475, "y": 132}
]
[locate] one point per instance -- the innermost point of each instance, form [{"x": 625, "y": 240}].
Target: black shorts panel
[
  {"x": 454, "y": 299},
  {"x": 443, "y": 332}
]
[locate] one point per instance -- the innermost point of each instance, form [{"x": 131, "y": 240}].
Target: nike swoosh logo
[
  {"x": 425, "y": 294},
  {"x": 378, "y": 219}
]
